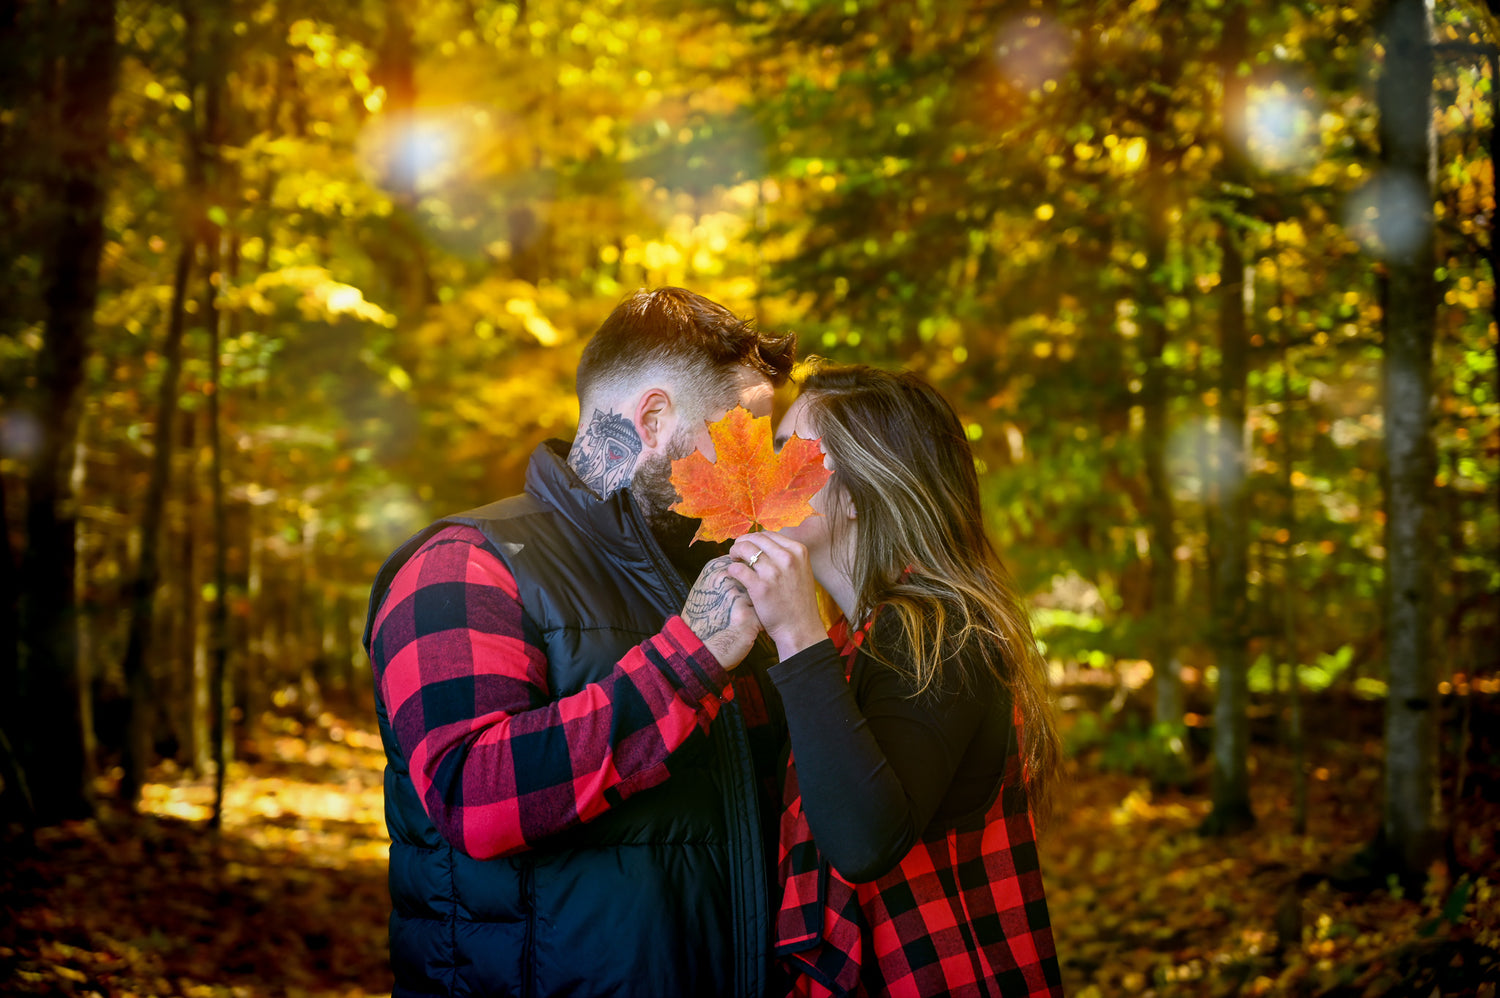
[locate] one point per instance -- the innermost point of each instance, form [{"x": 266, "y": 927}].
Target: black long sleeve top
[{"x": 877, "y": 767}]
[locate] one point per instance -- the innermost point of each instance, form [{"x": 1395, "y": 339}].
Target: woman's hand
[
  {"x": 719, "y": 611},
  {"x": 775, "y": 570}
]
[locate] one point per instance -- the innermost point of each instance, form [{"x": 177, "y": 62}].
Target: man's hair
[{"x": 698, "y": 344}]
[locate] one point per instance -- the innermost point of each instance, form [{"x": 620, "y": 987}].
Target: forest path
[{"x": 291, "y": 899}]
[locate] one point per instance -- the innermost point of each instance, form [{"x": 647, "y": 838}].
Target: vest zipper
[
  {"x": 742, "y": 821},
  {"x": 659, "y": 560},
  {"x": 731, "y": 742}
]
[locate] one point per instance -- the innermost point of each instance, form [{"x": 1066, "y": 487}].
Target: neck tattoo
[{"x": 605, "y": 454}]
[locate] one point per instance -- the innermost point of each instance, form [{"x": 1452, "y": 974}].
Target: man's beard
[{"x": 654, "y": 494}]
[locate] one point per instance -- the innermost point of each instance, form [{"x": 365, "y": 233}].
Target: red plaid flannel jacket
[
  {"x": 498, "y": 762},
  {"x": 964, "y": 913}
]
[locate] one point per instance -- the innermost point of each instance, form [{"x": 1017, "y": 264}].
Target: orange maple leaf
[{"x": 748, "y": 484}]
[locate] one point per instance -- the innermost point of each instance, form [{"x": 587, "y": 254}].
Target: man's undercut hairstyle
[{"x": 697, "y": 344}]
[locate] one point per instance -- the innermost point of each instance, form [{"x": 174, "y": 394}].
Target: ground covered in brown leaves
[
  {"x": 1143, "y": 905},
  {"x": 290, "y": 899}
]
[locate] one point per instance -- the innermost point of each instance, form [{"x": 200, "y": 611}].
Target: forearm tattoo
[
  {"x": 712, "y": 599},
  {"x": 605, "y": 454}
]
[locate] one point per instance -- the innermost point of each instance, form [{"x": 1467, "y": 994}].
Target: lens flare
[
  {"x": 424, "y": 153},
  {"x": 465, "y": 173},
  {"x": 390, "y": 514},
  {"x": 416, "y": 152},
  {"x": 20, "y": 435},
  {"x": 1282, "y": 129},
  {"x": 1198, "y": 457},
  {"x": 1032, "y": 50},
  {"x": 697, "y": 153},
  {"x": 1390, "y": 216}
]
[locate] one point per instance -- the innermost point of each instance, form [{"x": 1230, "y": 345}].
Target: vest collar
[{"x": 614, "y": 523}]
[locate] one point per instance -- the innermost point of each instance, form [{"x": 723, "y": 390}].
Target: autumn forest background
[{"x": 1211, "y": 283}]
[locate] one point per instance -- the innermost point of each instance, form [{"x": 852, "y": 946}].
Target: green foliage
[
  {"x": 1315, "y": 678},
  {"x": 419, "y": 211},
  {"x": 1007, "y": 200},
  {"x": 1125, "y": 744}
]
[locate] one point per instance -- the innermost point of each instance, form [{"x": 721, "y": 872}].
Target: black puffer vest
[{"x": 663, "y": 895}]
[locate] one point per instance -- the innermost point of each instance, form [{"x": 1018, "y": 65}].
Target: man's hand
[{"x": 719, "y": 611}]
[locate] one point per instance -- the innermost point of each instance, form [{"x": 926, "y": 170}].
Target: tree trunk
[
  {"x": 1160, "y": 515},
  {"x": 1410, "y": 835},
  {"x": 191, "y": 723},
  {"x": 1231, "y": 778},
  {"x": 141, "y": 591},
  {"x": 28, "y": 33},
  {"x": 301, "y": 626},
  {"x": 1156, "y": 398},
  {"x": 88, "y": 621},
  {"x": 219, "y": 615},
  {"x": 15, "y": 800},
  {"x": 258, "y": 640},
  {"x": 1206, "y": 461},
  {"x": 50, "y": 732},
  {"x": 1289, "y": 582},
  {"x": 195, "y": 645}
]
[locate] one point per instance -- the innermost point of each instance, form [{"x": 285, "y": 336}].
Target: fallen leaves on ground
[
  {"x": 291, "y": 898},
  {"x": 748, "y": 484},
  {"x": 1142, "y": 905}
]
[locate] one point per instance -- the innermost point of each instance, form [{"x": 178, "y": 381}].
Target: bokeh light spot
[
  {"x": 1282, "y": 129},
  {"x": 20, "y": 435},
  {"x": 1033, "y": 51},
  {"x": 1390, "y": 216}
]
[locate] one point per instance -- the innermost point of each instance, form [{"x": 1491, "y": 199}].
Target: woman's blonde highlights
[{"x": 922, "y": 552}]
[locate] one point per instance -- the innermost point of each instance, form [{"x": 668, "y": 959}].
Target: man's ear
[{"x": 654, "y": 417}]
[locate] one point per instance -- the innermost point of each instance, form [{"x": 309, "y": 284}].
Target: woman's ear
[
  {"x": 653, "y": 417},
  {"x": 847, "y": 501}
]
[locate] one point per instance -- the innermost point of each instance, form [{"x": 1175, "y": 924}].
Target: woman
[{"x": 921, "y": 727}]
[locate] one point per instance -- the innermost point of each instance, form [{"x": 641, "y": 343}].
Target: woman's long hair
[{"x": 901, "y": 453}]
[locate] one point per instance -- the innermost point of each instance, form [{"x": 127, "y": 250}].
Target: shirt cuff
[
  {"x": 812, "y": 659},
  {"x": 695, "y": 667}
]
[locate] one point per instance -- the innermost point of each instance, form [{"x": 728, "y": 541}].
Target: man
[{"x": 573, "y": 780}]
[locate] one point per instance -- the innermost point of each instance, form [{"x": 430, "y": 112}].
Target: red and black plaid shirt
[
  {"x": 499, "y": 763},
  {"x": 964, "y": 913}
]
